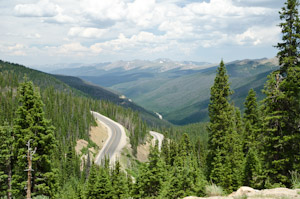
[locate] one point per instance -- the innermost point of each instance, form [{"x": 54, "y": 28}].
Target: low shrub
[{"x": 213, "y": 190}]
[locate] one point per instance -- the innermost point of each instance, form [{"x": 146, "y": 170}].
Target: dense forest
[
  {"x": 259, "y": 148},
  {"x": 98, "y": 92},
  {"x": 70, "y": 120}
]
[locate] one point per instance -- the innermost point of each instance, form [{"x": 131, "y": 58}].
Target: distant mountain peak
[{"x": 160, "y": 65}]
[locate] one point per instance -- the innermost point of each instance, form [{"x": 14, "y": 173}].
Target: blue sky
[{"x": 40, "y": 32}]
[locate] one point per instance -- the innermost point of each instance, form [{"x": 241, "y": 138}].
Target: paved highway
[
  {"x": 116, "y": 139},
  {"x": 115, "y": 142},
  {"x": 159, "y": 137}
]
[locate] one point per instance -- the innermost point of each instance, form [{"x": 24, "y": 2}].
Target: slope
[
  {"x": 72, "y": 99},
  {"x": 243, "y": 76},
  {"x": 68, "y": 110},
  {"x": 42, "y": 79},
  {"x": 184, "y": 99},
  {"x": 98, "y": 92},
  {"x": 178, "y": 91}
]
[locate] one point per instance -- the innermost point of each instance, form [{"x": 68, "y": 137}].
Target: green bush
[
  {"x": 213, "y": 190},
  {"x": 295, "y": 179}
]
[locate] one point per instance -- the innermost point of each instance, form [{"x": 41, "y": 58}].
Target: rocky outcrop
[{"x": 250, "y": 193}]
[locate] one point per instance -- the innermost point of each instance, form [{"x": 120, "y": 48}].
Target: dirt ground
[
  {"x": 143, "y": 152},
  {"x": 80, "y": 145},
  {"x": 98, "y": 134}
]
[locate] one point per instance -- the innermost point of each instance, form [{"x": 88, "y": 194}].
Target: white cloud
[
  {"x": 86, "y": 32},
  {"x": 225, "y": 8},
  {"x": 16, "y": 47},
  {"x": 138, "y": 27},
  {"x": 13, "y": 50},
  {"x": 33, "y": 36},
  {"x": 145, "y": 37},
  {"x": 72, "y": 48},
  {"x": 61, "y": 19},
  {"x": 104, "y": 10},
  {"x": 43, "y": 8},
  {"x": 141, "y": 12},
  {"x": 176, "y": 29},
  {"x": 258, "y": 35},
  {"x": 141, "y": 42}
]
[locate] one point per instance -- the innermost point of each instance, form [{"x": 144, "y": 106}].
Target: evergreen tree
[
  {"x": 253, "y": 170},
  {"x": 281, "y": 107},
  {"x": 281, "y": 121},
  {"x": 31, "y": 126},
  {"x": 165, "y": 151},
  {"x": 104, "y": 184},
  {"x": 6, "y": 141},
  {"x": 291, "y": 87},
  {"x": 91, "y": 189},
  {"x": 186, "y": 147},
  {"x": 225, "y": 156},
  {"x": 173, "y": 151},
  {"x": 251, "y": 121},
  {"x": 201, "y": 152},
  {"x": 99, "y": 184},
  {"x": 289, "y": 49},
  {"x": 220, "y": 112},
  {"x": 219, "y": 173},
  {"x": 151, "y": 178},
  {"x": 235, "y": 151},
  {"x": 119, "y": 184},
  {"x": 251, "y": 111},
  {"x": 185, "y": 176},
  {"x": 277, "y": 151}
]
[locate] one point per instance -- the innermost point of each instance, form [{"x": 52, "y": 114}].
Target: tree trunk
[{"x": 29, "y": 175}]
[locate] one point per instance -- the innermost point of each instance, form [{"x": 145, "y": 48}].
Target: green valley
[{"x": 180, "y": 93}]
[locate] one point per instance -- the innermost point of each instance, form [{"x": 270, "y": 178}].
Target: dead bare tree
[{"x": 30, "y": 153}]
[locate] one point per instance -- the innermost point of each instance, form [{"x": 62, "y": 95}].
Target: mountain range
[
  {"x": 179, "y": 91},
  {"x": 78, "y": 87}
]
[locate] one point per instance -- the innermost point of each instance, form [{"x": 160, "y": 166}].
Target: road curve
[
  {"x": 115, "y": 142},
  {"x": 159, "y": 137}
]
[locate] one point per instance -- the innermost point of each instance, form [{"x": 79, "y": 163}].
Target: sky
[{"x": 45, "y": 32}]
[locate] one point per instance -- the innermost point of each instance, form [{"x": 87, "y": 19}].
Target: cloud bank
[{"x": 147, "y": 29}]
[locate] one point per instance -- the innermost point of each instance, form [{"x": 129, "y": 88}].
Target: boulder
[{"x": 244, "y": 191}]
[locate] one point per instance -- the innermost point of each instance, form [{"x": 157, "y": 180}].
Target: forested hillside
[
  {"x": 98, "y": 92},
  {"x": 70, "y": 120},
  {"x": 180, "y": 94}
]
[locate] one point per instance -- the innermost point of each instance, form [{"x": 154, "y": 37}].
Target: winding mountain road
[
  {"x": 117, "y": 139},
  {"x": 115, "y": 142},
  {"x": 159, "y": 137}
]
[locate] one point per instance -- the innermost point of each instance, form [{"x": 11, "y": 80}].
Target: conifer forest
[{"x": 41, "y": 118}]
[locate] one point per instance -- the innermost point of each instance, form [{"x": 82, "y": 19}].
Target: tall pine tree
[
  {"x": 151, "y": 176},
  {"x": 6, "y": 141},
  {"x": 119, "y": 182},
  {"x": 281, "y": 108},
  {"x": 251, "y": 121},
  {"x": 31, "y": 126},
  {"x": 289, "y": 49},
  {"x": 225, "y": 155},
  {"x": 277, "y": 151}
]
